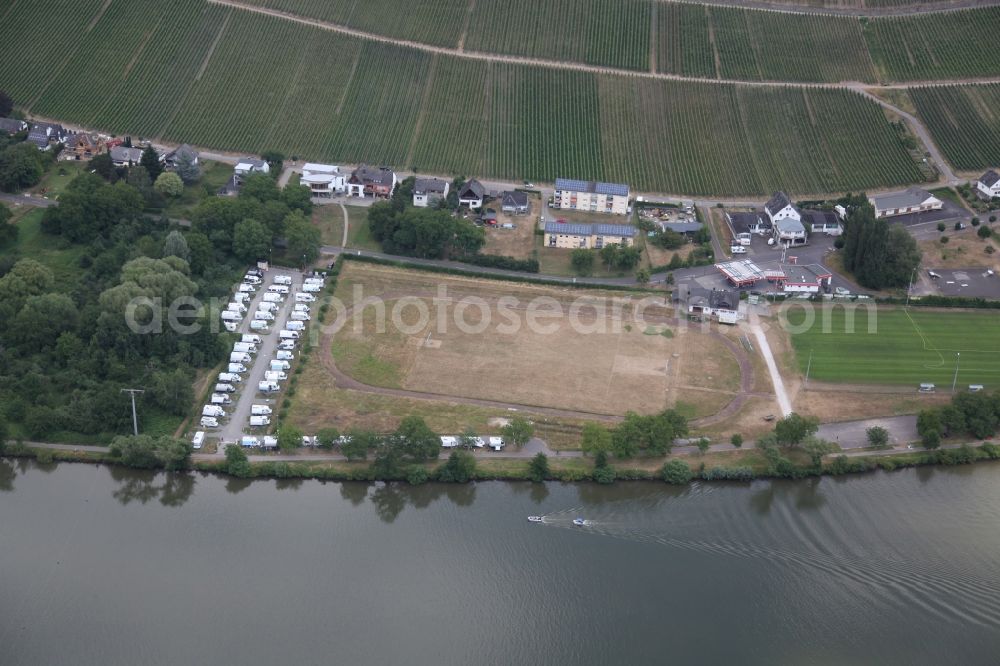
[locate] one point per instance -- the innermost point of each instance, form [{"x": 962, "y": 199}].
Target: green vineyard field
[
  {"x": 189, "y": 71},
  {"x": 964, "y": 121}
]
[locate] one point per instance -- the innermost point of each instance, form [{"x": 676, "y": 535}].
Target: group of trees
[
  {"x": 652, "y": 434},
  {"x": 423, "y": 232},
  {"x": 975, "y": 414},
  {"x": 793, "y": 432},
  {"x": 147, "y": 452},
  {"x": 879, "y": 255}
]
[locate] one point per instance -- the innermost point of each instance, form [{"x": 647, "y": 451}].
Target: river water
[{"x": 101, "y": 565}]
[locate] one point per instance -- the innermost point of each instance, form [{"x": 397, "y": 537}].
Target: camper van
[
  {"x": 283, "y": 279},
  {"x": 251, "y": 279},
  {"x": 295, "y": 325},
  {"x": 213, "y": 410},
  {"x": 278, "y": 289},
  {"x": 209, "y": 422},
  {"x": 220, "y": 399},
  {"x": 272, "y": 298},
  {"x": 299, "y": 316},
  {"x": 198, "y": 440},
  {"x": 288, "y": 335},
  {"x": 275, "y": 376},
  {"x": 268, "y": 387},
  {"x": 230, "y": 326},
  {"x": 280, "y": 365},
  {"x": 236, "y": 307},
  {"x": 250, "y": 337},
  {"x": 260, "y": 421},
  {"x": 229, "y": 377},
  {"x": 237, "y": 368},
  {"x": 973, "y": 388},
  {"x": 300, "y": 307},
  {"x": 258, "y": 325},
  {"x": 249, "y": 442},
  {"x": 246, "y": 347},
  {"x": 241, "y": 297},
  {"x": 927, "y": 388},
  {"x": 286, "y": 345},
  {"x": 240, "y": 357},
  {"x": 246, "y": 288},
  {"x": 304, "y": 298},
  {"x": 284, "y": 355},
  {"x": 267, "y": 306},
  {"x": 263, "y": 315},
  {"x": 229, "y": 315},
  {"x": 269, "y": 442},
  {"x": 223, "y": 387},
  {"x": 259, "y": 410},
  {"x": 312, "y": 288}
]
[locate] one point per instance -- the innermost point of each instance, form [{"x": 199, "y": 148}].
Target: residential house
[
  {"x": 988, "y": 185},
  {"x": 911, "y": 200},
  {"x": 323, "y": 180},
  {"x": 366, "y": 181},
  {"x": 43, "y": 135},
  {"x": 429, "y": 191},
  {"x": 596, "y": 236},
  {"x": 779, "y": 207},
  {"x": 591, "y": 196},
  {"x": 687, "y": 228},
  {"x": 790, "y": 232},
  {"x": 822, "y": 222},
  {"x": 514, "y": 203},
  {"x": 123, "y": 157},
  {"x": 83, "y": 146},
  {"x": 804, "y": 279},
  {"x": 744, "y": 226},
  {"x": 171, "y": 159},
  {"x": 471, "y": 194},
  {"x": 723, "y": 304},
  {"x": 12, "y": 125},
  {"x": 249, "y": 165}
]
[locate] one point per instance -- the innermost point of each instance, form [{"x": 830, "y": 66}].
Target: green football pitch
[{"x": 896, "y": 345}]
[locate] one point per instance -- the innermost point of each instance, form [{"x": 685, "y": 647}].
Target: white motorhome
[
  {"x": 250, "y": 337},
  {"x": 241, "y": 297},
  {"x": 301, "y": 297},
  {"x": 295, "y": 326},
  {"x": 245, "y": 347},
  {"x": 230, "y": 326},
  {"x": 267, "y": 306},
  {"x": 270, "y": 297},
  {"x": 312, "y": 288},
  {"x": 280, "y": 365},
  {"x": 229, "y": 377},
  {"x": 237, "y": 368},
  {"x": 260, "y": 410},
  {"x": 275, "y": 376},
  {"x": 288, "y": 335},
  {"x": 213, "y": 410},
  {"x": 246, "y": 288},
  {"x": 236, "y": 307},
  {"x": 220, "y": 399},
  {"x": 209, "y": 422},
  {"x": 263, "y": 315},
  {"x": 282, "y": 279},
  {"x": 198, "y": 440},
  {"x": 269, "y": 442},
  {"x": 249, "y": 442},
  {"x": 268, "y": 387},
  {"x": 229, "y": 315},
  {"x": 284, "y": 355},
  {"x": 299, "y": 316},
  {"x": 259, "y": 421},
  {"x": 251, "y": 279},
  {"x": 300, "y": 307},
  {"x": 240, "y": 357},
  {"x": 278, "y": 289},
  {"x": 258, "y": 325},
  {"x": 224, "y": 388}
]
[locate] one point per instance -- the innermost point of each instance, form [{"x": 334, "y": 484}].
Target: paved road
[
  {"x": 239, "y": 412},
  {"x": 851, "y": 434},
  {"x": 27, "y": 200}
]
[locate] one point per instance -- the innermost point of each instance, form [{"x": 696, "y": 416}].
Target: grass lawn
[
  {"x": 909, "y": 346},
  {"x": 329, "y": 220},
  {"x": 58, "y": 177},
  {"x": 62, "y": 258},
  {"x": 358, "y": 234},
  {"x": 213, "y": 176}
]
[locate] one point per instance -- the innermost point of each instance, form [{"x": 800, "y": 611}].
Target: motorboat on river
[{"x": 536, "y": 519}]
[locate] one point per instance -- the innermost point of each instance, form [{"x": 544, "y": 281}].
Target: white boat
[
  {"x": 579, "y": 522},
  {"x": 536, "y": 519}
]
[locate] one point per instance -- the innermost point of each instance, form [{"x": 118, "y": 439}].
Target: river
[{"x": 102, "y": 565}]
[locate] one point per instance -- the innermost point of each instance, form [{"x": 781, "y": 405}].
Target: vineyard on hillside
[
  {"x": 936, "y": 46},
  {"x": 242, "y": 81},
  {"x": 965, "y": 122}
]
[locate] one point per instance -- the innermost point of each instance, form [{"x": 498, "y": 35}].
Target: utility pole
[
  {"x": 809, "y": 366},
  {"x": 135, "y": 419},
  {"x": 954, "y": 380},
  {"x": 910, "y": 286}
]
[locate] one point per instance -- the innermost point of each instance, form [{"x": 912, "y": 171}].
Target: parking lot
[
  {"x": 922, "y": 225},
  {"x": 964, "y": 282},
  {"x": 237, "y": 422}
]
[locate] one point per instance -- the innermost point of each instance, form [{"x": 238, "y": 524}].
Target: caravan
[
  {"x": 259, "y": 421},
  {"x": 280, "y": 365},
  {"x": 213, "y": 410},
  {"x": 260, "y": 410}
]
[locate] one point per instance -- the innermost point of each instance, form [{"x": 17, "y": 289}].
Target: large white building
[
  {"x": 323, "y": 180},
  {"x": 911, "y": 200},
  {"x": 988, "y": 185},
  {"x": 779, "y": 207},
  {"x": 591, "y": 196}
]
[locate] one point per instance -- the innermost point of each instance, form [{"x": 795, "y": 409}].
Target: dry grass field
[{"x": 596, "y": 363}]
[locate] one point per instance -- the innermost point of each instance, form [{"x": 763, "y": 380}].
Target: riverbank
[{"x": 715, "y": 466}]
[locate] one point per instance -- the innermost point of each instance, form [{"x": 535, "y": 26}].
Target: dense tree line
[
  {"x": 969, "y": 414},
  {"x": 423, "y": 232},
  {"x": 879, "y": 255},
  {"x": 651, "y": 434}
]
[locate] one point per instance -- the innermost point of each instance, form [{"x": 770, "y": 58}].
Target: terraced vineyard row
[
  {"x": 964, "y": 121},
  {"x": 243, "y": 81},
  {"x": 684, "y": 42},
  {"x": 936, "y": 46},
  {"x": 437, "y": 22}
]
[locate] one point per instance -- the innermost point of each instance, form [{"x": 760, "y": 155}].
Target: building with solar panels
[{"x": 591, "y": 196}]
